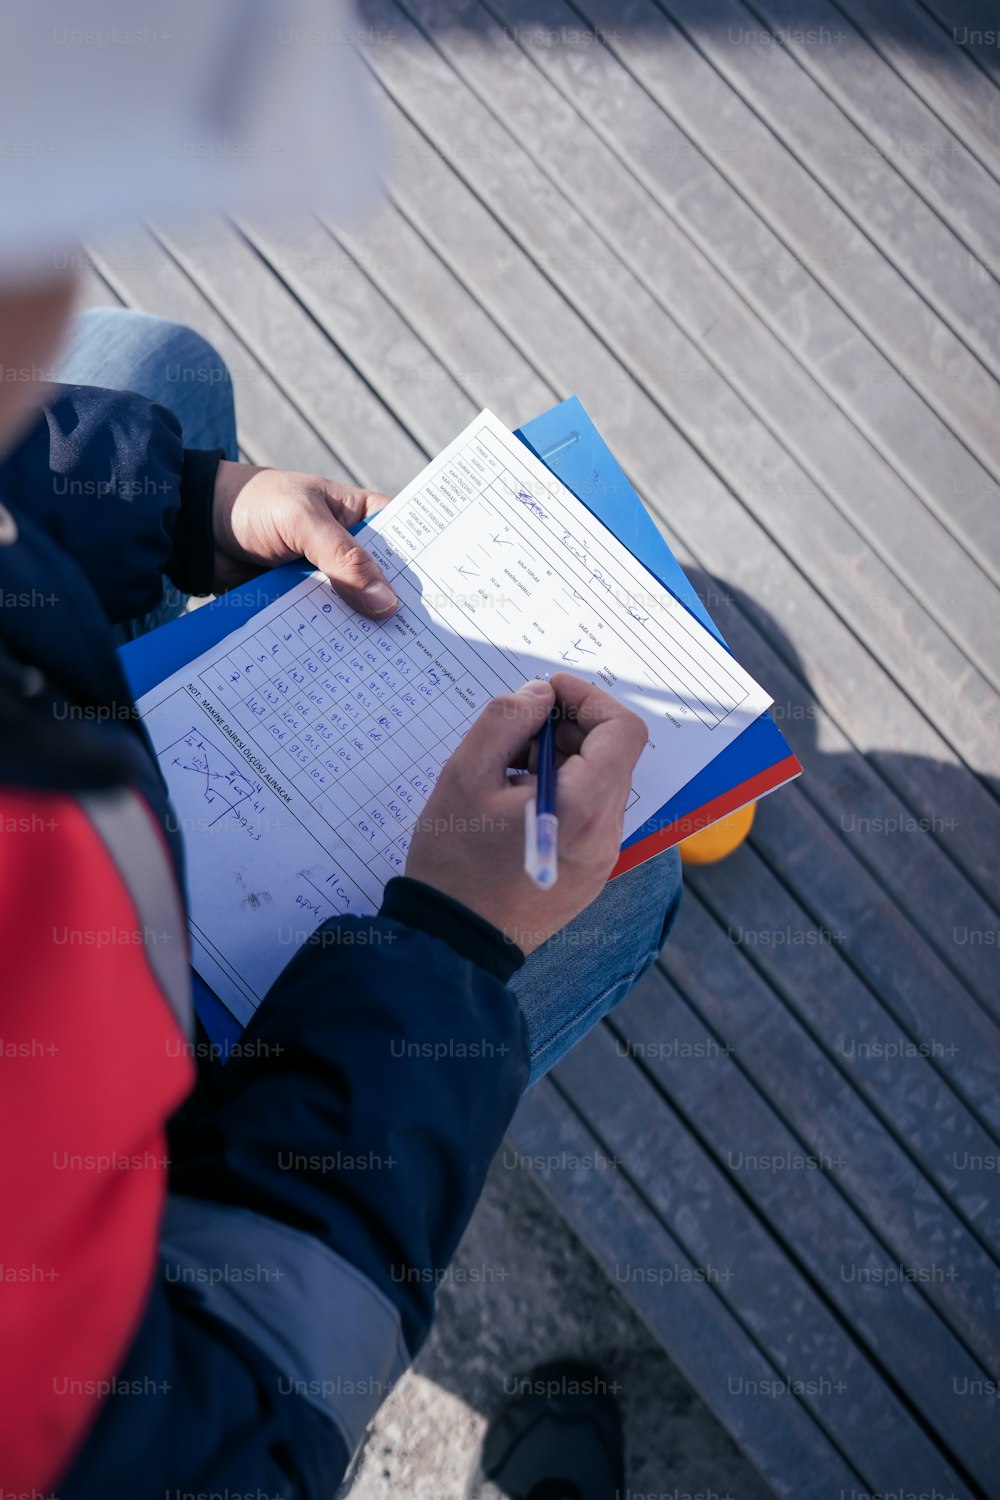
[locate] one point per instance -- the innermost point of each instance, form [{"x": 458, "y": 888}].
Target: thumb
[
  {"x": 352, "y": 570},
  {"x": 502, "y": 731}
]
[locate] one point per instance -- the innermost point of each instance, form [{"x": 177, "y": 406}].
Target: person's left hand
[{"x": 264, "y": 517}]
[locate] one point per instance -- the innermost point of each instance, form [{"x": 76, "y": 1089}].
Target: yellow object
[{"x": 713, "y": 843}]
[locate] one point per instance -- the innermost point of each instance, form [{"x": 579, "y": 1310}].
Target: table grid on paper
[{"x": 353, "y": 713}]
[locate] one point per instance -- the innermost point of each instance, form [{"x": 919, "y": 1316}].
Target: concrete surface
[{"x": 522, "y": 1290}]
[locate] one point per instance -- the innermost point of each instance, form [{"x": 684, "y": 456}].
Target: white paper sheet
[{"x": 300, "y": 750}]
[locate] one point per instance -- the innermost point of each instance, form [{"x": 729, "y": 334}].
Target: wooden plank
[
  {"x": 912, "y": 239},
  {"x": 705, "y": 1079},
  {"x": 704, "y": 522},
  {"x": 831, "y": 460},
  {"x": 867, "y": 1032},
  {"x": 773, "y": 282},
  {"x": 772, "y": 1296},
  {"x": 685, "y": 1313},
  {"x": 452, "y": 323},
  {"x": 277, "y": 330},
  {"x": 833, "y": 1095},
  {"x": 93, "y": 290},
  {"x": 886, "y": 946},
  {"x": 271, "y": 430},
  {"x": 701, "y": 1076},
  {"x": 424, "y": 394},
  {"x": 877, "y": 828},
  {"x": 954, "y": 87},
  {"x": 701, "y": 94},
  {"x": 903, "y": 131},
  {"x": 921, "y": 998}
]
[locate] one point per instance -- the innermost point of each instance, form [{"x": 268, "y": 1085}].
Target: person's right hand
[{"x": 469, "y": 840}]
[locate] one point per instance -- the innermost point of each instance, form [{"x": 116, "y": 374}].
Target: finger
[
  {"x": 584, "y": 704},
  {"x": 612, "y": 748},
  {"x": 501, "y": 734},
  {"x": 352, "y": 570},
  {"x": 614, "y": 728},
  {"x": 569, "y": 737},
  {"x": 374, "y": 502},
  {"x": 593, "y": 785},
  {"x": 527, "y": 760},
  {"x": 593, "y": 788}
]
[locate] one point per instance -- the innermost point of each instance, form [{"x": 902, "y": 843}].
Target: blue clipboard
[{"x": 568, "y": 443}]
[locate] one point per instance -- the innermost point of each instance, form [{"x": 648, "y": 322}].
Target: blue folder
[{"x": 568, "y": 443}]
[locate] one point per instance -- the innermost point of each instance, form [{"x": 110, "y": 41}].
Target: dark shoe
[{"x": 558, "y": 1436}]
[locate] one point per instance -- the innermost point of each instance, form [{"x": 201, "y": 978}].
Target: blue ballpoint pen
[{"x": 541, "y": 826}]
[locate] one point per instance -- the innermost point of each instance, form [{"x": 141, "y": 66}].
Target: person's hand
[
  {"x": 263, "y": 517},
  {"x": 469, "y": 840}
]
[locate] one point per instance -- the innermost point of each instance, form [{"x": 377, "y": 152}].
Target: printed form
[{"x": 300, "y": 750}]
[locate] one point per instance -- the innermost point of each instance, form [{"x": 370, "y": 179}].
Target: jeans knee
[
  {"x": 189, "y": 359},
  {"x": 169, "y": 363},
  {"x": 199, "y": 387},
  {"x": 147, "y": 335}
]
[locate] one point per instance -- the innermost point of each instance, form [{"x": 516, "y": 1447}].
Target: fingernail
[
  {"x": 379, "y": 597},
  {"x": 536, "y": 685}
]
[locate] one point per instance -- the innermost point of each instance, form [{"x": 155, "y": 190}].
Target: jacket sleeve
[
  {"x": 318, "y": 1196},
  {"x": 106, "y": 475}
]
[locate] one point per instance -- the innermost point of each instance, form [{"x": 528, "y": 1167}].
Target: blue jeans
[
  {"x": 587, "y": 968},
  {"x": 581, "y": 973}
]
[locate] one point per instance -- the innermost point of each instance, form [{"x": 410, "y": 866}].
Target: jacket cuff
[
  {"x": 191, "y": 564},
  {"x": 429, "y": 910}
]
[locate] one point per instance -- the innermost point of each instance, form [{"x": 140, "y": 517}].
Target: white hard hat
[{"x": 116, "y": 110}]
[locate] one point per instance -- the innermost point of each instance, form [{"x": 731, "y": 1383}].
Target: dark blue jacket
[{"x": 342, "y": 1153}]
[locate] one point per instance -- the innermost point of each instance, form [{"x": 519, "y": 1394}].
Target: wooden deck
[{"x": 769, "y": 272}]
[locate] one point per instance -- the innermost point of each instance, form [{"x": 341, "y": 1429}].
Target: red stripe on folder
[{"x": 710, "y": 812}]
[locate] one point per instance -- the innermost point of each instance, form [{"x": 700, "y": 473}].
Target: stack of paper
[{"x": 301, "y": 746}]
